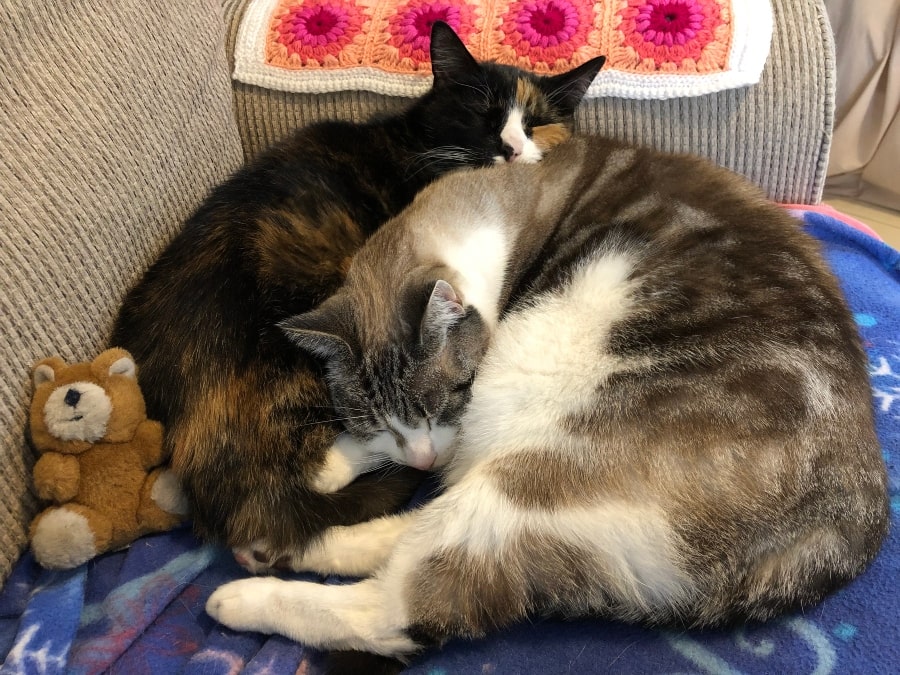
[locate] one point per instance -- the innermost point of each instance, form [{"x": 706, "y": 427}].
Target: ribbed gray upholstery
[{"x": 115, "y": 120}]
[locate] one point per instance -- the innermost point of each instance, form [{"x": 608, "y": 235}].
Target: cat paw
[
  {"x": 244, "y": 604},
  {"x": 338, "y": 472},
  {"x": 259, "y": 558},
  {"x": 169, "y": 495}
]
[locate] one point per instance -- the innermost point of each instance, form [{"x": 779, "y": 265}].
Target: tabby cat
[
  {"x": 661, "y": 406},
  {"x": 248, "y": 419}
]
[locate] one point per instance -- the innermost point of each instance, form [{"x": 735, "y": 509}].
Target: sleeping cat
[
  {"x": 247, "y": 416},
  {"x": 661, "y": 407}
]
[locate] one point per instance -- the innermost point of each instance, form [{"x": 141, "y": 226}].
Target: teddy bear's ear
[
  {"x": 114, "y": 361},
  {"x": 45, "y": 370},
  {"x": 124, "y": 366}
]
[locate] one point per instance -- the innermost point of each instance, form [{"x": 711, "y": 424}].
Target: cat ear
[
  {"x": 318, "y": 332},
  {"x": 450, "y": 60},
  {"x": 567, "y": 89},
  {"x": 443, "y": 311}
]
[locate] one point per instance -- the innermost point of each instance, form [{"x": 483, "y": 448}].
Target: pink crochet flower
[
  {"x": 546, "y": 31},
  {"x": 670, "y": 31},
  {"x": 315, "y": 29},
  {"x": 410, "y": 27}
]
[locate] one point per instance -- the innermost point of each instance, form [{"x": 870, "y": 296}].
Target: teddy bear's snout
[{"x": 72, "y": 397}]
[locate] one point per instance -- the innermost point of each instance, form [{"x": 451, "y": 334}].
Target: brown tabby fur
[{"x": 671, "y": 424}]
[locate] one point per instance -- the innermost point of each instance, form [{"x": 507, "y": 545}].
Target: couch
[{"x": 115, "y": 120}]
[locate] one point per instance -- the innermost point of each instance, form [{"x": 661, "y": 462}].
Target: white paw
[
  {"x": 338, "y": 472},
  {"x": 245, "y": 604},
  {"x": 168, "y": 494}
]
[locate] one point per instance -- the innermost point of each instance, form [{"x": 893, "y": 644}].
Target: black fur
[{"x": 247, "y": 416}]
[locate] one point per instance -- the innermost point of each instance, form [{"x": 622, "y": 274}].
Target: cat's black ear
[
  {"x": 320, "y": 332},
  {"x": 444, "y": 310},
  {"x": 566, "y": 90},
  {"x": 450, "y": 60}
]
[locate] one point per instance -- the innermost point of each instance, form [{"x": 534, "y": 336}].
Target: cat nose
[
  {"x": 423, "y": 462},
  {"x": 420, "y": 452},
  {"x": 72, "y": 397},
  {"x": 509, "y": 152}
]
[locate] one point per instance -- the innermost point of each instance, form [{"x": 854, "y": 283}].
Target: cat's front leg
[
  {"x": 354, "y": 550},
  {"x": 345, "y": 460},
  {"x": 356, "y": 616}
]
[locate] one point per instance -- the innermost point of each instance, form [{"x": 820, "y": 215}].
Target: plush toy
[{"x": 100, "y": 461}]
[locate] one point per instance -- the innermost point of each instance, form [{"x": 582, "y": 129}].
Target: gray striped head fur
[{"x": 412, "y": 390}]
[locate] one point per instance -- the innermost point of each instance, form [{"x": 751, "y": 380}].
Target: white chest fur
[
  {"x": 547, "y": 359},
  {"x": 479, "y": 254}
]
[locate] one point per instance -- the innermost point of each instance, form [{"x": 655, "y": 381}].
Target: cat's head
[
  {"x": 482, "y": 113},
  {"x": 402, "y": 389}
]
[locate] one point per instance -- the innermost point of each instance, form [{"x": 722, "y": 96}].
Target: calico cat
[
  {"x": 662, "y": 409},
  {"x": 248, "y": 419}
]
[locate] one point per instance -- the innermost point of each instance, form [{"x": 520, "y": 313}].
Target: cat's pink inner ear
[
  {"x": 444, "y": 294},
  {"x": 443, "y": 311}
]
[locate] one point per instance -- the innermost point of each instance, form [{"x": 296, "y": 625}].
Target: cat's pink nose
[
  {"x": 420, "y": 452},
  {"x": 423, "y": 462}
]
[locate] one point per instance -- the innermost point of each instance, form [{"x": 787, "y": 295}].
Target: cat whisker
[
  {"x": 482, "y": 89},
  {"x": 328, "y": 407},
  {"x": 384, "y": 462},
  {"x": 334, "y": 419},
  {"x": 438, "y": 156}
]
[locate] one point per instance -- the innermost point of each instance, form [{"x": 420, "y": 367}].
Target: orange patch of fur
[{"x": 549, "y": 135}]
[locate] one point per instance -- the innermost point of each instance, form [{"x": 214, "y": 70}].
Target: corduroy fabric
[
  {"x": 115, "y": 120},
  {"x": 776, "y": 133}
]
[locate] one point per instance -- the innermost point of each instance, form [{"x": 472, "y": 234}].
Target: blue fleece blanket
[{"x": 141, "y": 610}]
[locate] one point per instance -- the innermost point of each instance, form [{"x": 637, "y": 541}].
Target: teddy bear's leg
[
  {"x": 163, "y": 502},
  {"x": 63, "y": 537}
]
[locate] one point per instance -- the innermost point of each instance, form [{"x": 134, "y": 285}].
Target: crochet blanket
[
  {"x": 654, "y": 48},
  {"x": 141, "y": 610}
]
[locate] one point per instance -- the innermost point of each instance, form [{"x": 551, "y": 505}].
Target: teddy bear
[{"x": 100, "y": 461}]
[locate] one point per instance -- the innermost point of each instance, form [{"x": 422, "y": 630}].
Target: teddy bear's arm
[
  {"x": 56, "y": 477},
  {"x": 149, "y": 440}
]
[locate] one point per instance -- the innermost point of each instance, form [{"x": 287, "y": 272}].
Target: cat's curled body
[
  {"x": 670, "y": 420},
  {"x": 248, "y": 418}
]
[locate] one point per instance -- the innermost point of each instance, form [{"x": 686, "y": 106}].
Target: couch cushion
[{"x": 116, "y": 120}]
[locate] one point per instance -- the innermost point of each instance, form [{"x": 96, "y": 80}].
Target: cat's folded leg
[
  {"x": 369, "y": 616},
  {"x": 350, "y": 617},
  {"x": 354, "y": 550},
  {"x": 432, "y": 587},
  {"x": 345, "y": 460}
]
